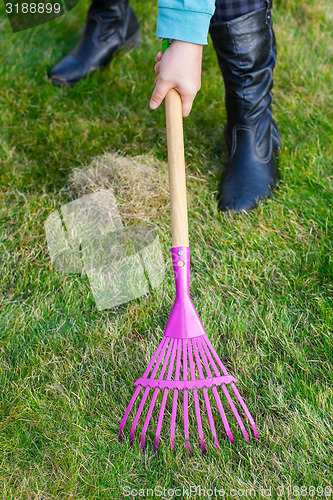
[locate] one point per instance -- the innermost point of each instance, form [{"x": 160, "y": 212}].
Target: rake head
[{"x": 185, "y": 362}]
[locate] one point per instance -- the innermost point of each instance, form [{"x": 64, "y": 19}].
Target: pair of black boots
[{"x": 246, "y": 52}]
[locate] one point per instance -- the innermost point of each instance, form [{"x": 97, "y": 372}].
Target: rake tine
[
  {"x": 248, "y": 414},
  {"x": 237, "y": 394},
  {"x": 235, "y": 412},
  {"x": 224, "y": 389},
  {"x": 196, "y": 399},
  {"x": 175, "y": 397},
  {"x": 165, "y": 395},
  {"x": 145, "y": 395},
  {"x": 219, "y": 362},
  {"x": 129, "y": 407},
  {"x": 186, "y": 432},
  {"x": 153, "y": 399},
  {"x": 205, "y": 393},
  {"x": 223, "y": 415},
  {"x": 137, "y": 416},
  {"x": 138, "y": 389},
  {"x": 214, "y": 389}
]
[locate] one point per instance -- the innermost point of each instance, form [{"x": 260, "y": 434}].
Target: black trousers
[{"x": 226, "y": 10}]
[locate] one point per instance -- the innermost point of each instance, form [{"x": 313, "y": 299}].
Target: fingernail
[{"x": 153, "y": 104}]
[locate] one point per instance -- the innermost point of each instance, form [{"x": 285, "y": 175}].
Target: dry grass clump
[{"x": 140, "y": 184}]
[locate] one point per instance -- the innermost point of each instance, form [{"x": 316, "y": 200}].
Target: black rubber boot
[
  {"x": 110, "y": 25},
  {"x": 246, "y": 52}
]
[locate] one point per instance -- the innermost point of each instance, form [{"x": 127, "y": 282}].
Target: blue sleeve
[{"x": 186, "y": 20}]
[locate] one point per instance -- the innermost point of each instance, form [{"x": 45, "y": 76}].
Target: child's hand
[{"x": 179, "y": 67}]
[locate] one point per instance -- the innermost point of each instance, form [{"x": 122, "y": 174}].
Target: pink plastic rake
[{"x": 185, "y": 360}]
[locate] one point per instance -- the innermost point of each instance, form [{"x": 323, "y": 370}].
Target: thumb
[
  {"x": 160, "y": 91},
  {"x": 187, "y": 102}
]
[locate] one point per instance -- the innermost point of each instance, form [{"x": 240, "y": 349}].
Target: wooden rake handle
[{"x": 176, "y": 161}]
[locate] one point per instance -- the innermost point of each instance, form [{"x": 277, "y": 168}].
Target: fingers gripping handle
[{"x": 176, "y": 161}]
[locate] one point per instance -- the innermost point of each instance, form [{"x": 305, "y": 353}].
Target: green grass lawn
[{"x": 262, "y": 282}]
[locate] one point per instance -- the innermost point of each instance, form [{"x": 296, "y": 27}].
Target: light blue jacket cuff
[{"x": 185, "y": 25}]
